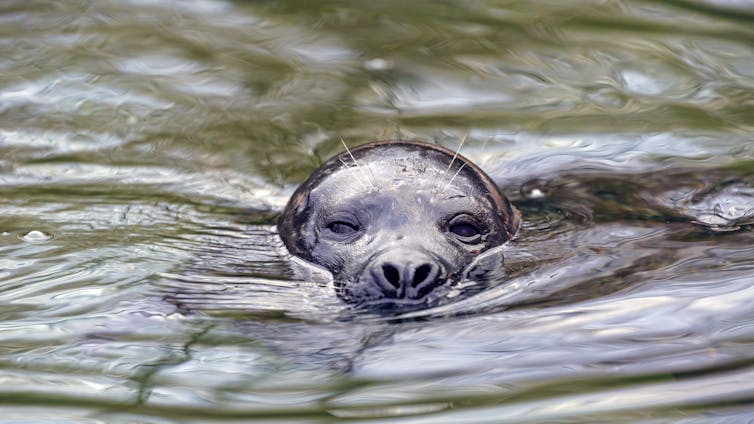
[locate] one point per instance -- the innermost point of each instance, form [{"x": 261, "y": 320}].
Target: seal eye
[
  {"x": 342, "y": 228},
  {"x": 465, "y": 229}
]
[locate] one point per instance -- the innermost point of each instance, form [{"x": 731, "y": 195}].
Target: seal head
[{"x": 396, "y": 221}]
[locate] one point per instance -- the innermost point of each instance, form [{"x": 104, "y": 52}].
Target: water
[{"x": 147, "y": 148}]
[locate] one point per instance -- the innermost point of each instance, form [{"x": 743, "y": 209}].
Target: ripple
[
  {"x": 157, "y": 64},
  {"x": 640, "y": 83},
  {"x": 436, "y": 93},
  {"x": 235, "y": 187},
  {"x": 724, "y": 206},
  {"x": 60, "y": 142}
]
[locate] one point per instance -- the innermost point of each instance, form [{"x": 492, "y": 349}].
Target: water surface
[{"x": 147, "y": 149}]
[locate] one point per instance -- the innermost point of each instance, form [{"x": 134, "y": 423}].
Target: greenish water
[{"x": 147, "y": 148}]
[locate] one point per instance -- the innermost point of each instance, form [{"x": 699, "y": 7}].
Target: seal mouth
[{"x": 397, "y": 305}]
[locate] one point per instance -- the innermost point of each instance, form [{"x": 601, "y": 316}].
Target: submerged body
[{"x": 396, "y": 222}]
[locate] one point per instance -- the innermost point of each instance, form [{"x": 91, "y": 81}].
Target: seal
[{"x": 394, "y": 222}]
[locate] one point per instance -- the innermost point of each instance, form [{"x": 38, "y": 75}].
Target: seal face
[{"x": 399, "y": 226}]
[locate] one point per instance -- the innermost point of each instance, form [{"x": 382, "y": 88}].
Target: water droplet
[
  {"x": 36, "y": 236},
  {"x": 378, "y": 64},
  {"x": 536, "y": 194},
  {"x": 534, "y": 189}
]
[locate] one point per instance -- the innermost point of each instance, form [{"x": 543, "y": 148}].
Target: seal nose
[{"x": 406, "y": 277}]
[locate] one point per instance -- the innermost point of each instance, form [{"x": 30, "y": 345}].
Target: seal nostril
[
  {"x": 392, "y": 275},
  {"x": 421, "y": 274}
]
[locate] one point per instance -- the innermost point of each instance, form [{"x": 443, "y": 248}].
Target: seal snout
[{"x": 405, "y": 274}]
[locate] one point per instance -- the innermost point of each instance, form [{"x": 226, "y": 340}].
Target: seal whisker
[
  {"x": 358, "y": 178},
  {"x": 453, "y": 178},
  {"x": 458, "y": 150},
  {"x": 357, "y": 163}
]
